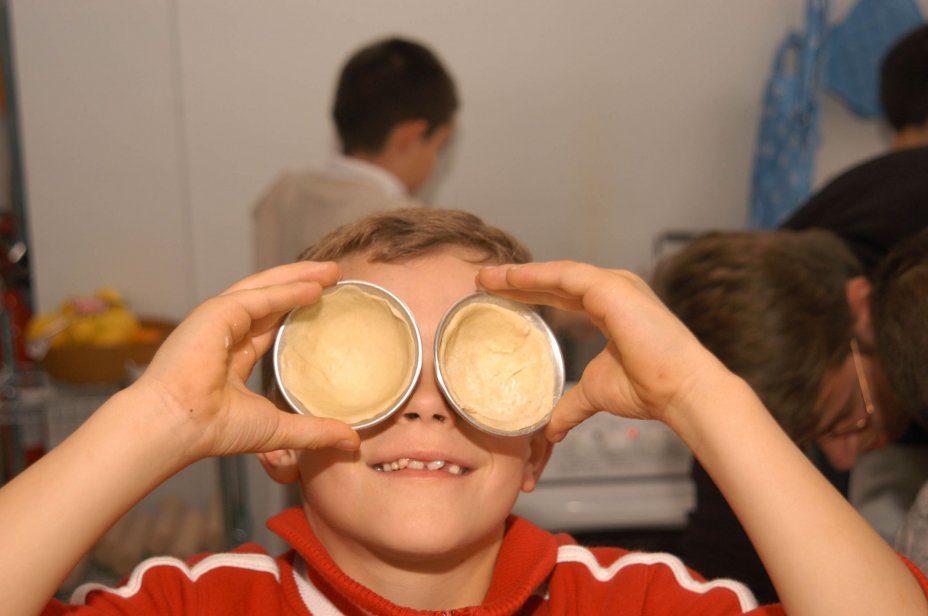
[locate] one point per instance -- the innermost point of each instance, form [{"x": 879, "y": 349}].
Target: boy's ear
[
  {"x": 858, "y": 300},
  {"x": 405, "y": 135},
  {"x": 281, "y": 465},
  {"x": 540, "y": 449}
]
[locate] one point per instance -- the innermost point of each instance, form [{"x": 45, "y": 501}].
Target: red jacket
[{"x": 536, "y": 574}]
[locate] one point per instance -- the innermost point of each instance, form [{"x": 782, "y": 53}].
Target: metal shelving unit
[{"x": 37, "y": 413}]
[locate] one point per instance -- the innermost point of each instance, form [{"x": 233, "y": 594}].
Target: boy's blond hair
[
  {"x": 397, "y": 235},
  {"x": 394, "y": 236}
]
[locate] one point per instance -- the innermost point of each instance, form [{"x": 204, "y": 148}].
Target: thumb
[
  {"x": 305, "y": 432},
  {"x": 571, "y": 410}
]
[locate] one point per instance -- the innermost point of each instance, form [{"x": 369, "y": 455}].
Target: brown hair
[
  {"x": 899, "y": 310},
  {"x": 772, "y": 306},
  {"x": 386, "y": 83},
  {"x": 397, "y": 235}
]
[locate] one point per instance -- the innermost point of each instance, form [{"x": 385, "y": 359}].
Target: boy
[
  {"x": 393, "y": 543},
  {"x": 394, "y": 111}
]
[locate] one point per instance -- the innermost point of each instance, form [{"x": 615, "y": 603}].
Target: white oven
[{"x": 613, "y": 474}]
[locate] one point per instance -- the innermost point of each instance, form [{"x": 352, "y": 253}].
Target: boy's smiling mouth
[{"x": 412, "y": 464}]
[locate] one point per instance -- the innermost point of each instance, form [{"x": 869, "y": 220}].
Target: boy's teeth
[{"x": 418, "y": 465}]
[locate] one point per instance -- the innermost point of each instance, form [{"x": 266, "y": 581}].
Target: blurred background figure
[
  {"x": 394, "y": 112},
  {"x": 875, "y": 204}
]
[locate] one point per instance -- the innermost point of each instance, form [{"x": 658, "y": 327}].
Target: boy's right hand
[
  {"x": 652, "y": 364},
  {"x": 190, "y": 403},
  {"x": 199, "y": 372}
]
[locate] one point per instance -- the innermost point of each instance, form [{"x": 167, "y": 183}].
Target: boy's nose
[
  {"x": 439, "y": 417},
  {"x": 428, "y": 404}
]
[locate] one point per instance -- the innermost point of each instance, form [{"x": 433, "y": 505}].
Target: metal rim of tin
[
  {"x": 533, "y": 317},
  {"x": 377, "y": 291}
]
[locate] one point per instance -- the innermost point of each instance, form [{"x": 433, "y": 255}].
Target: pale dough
[
  {"x": 498, "y": 366},
  {"x": 350, "y": 356}
]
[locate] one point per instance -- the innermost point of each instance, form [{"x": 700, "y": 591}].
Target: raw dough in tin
[
  {"x": 498, "y": 366},
  {"x": 350, "y": 356}
]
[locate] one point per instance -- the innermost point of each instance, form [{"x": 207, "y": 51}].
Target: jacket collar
[
  {"x": 349, "y": 166},
  {"x": 525, "y": 561}
]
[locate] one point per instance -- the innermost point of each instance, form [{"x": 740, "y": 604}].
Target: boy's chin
[
  {"x": 416, "y": 538},
  {"x": 429, "y": 547}
]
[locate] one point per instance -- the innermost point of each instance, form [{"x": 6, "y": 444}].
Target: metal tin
[
  {"x": 377, "y": 415},
  {"x": 535, "y": 320}
]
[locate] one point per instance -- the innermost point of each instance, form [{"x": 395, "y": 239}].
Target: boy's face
[
  {"x": 419, "y": 515},
  {"x": 848, "y": 428},
  {"x": 428, "y": 152}
]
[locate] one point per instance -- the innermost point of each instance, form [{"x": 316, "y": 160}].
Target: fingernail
[
  {"x": 346, "y": 445},
  {"x": 557, "y": 438}
]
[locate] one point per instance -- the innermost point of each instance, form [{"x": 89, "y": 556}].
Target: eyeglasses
[{"x": 869, "y": 407}]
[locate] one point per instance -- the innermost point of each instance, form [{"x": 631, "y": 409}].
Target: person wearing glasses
[{"x": 789, "y": 312}]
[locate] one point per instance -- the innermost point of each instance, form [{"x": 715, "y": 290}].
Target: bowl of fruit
[{"x": 94, "y": 339}]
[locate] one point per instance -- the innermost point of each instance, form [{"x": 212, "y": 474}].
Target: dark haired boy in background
[{"x": 394, "y": 111}]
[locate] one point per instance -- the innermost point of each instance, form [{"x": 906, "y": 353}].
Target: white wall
[
  {"x": 588, "y": 127},
  {"x": 102, "y": 151}
]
